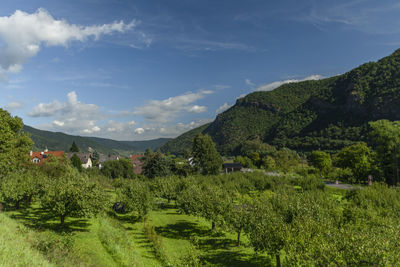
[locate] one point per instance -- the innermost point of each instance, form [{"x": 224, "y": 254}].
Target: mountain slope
[
  {"x": 183, "y": 142},
  {"x": 61, "y": 141},
  {"x": 326, "y": 114}
]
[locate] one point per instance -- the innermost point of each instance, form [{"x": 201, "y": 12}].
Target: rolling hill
[
  {"x": 327, "y": 114},
  {"x": 61, "y": 141}
]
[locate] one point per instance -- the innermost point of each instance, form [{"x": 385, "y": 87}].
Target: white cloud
[
  {"x": 71, "y": 116},
  {"x": 119, "y": 127},
  {"x": 249, "y": 82},
  {"x": 168, "y": 109},
  {"x": 22, "y": 35},
  {"x": 197, "y": 109},
  {"x": 13, "y": 105},
  {"x": 222, "y": 108},
  {"x": 273, "y": 85},
  {"x": 139, "y": 131},
  {"x": 168, "y": 130}
]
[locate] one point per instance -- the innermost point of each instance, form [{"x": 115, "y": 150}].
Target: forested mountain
[
  {"x": 326, "y": 114},
  {"x": 61, "y": 141}
]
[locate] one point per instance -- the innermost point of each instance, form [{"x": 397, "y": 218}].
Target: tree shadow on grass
[
  {"x": 182, "y": 230},
  {"x": 235, "y": 258},
  {"x": 40, "y": 219},
  {"x": 216, "y": 243}
]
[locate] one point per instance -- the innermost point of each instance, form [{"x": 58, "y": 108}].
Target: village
[{"x": 96, "y": 160}]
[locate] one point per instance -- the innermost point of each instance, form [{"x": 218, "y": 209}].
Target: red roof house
[
  {"x": 40, "y": 157},
  {"x": 137, "y": 163}
]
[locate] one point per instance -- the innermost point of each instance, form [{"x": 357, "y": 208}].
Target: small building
[
  {"x": 232, "y": 167},
  {"x": 104, "y": 158},
  {"x": 40, "y": 157},
  {"x": 86, "y": 159},
  {"x": 137, "y": 163}
]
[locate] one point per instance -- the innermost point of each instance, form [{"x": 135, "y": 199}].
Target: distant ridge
[
  {"x": 62, "y": 141},
  {"x": 327, "y": 114}
]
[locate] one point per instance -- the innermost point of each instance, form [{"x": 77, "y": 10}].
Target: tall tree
[
  {"x": 156, "y": 165},
  {"x": 205, "y": 155},
  {"x": 72, "y": 194},
  {"x": 136, "y": 196},
  {"x": 14, "y": 144},
  {"x": 76, "y": 162},
  {"x": 321, "y": 160},
  {"x": 357, "y": 158},
  {"x": 385, "y": 137},
  {"x": 74, "y": 147}
]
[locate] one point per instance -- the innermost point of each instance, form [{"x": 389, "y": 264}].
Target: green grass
[
  {"x": 119, "y": 240},
  {"x": 217, "y": 248},
  {"x": 15, "y": 248}
]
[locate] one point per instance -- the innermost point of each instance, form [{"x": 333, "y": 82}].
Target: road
[{"x": 341, "y": 186}]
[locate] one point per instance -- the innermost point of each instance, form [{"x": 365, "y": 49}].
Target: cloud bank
[
  {"x": 166, "y": 110},
  {"x": 22, "y": 35}
]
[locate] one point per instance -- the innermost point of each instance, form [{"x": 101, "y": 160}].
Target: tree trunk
[
  {"x": 278, "y": 260},
  {"x": 62, "y": 220},
  {"x": 213, "y": 225},
  {"x": 238, "y": 238},
  {"x": 17, "y": 204},
  {"x": 169, "y": 200}
]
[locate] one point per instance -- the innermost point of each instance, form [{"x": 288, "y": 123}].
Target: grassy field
[
  {"x": 119, "y": 240},
  {"x": 15, "y": 248}
]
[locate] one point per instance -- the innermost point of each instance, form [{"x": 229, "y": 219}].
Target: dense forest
[{"x": 327, "y": 114}]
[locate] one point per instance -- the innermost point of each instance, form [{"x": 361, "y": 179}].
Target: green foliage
[
  {"x": 321, "y": 160},
  {"x": 385, "y": 137},
  {"x": 113, "y": 237},
  {"x": 167, "y": 187},
  {"x": 244, "y": 161},
  {"x": 268, "y": 163},
  {"x": 14, "y": 144},
  {"x": 358, "y": 158},
  {"x": 182, "y": 144},
  {"x": 74, "y": 147},
  {"x": 205, "y": 155},
  {"x": 204, "y": 200},
  {"x": 156, "y": 165},
  {"x": 59, "y": 141},
  {"x": 327, "y": 114},
  {"x": 18, "y": 186},
  {"x": 237, "y": 217},
  {"x": 57, "y": 248},
  {"x": 72, "y": 194},
  {"x": 76, "y": 162},
  {"x": 15, "y": 250},
  {"x": 286, "y": 160},
  {"x": 121, "y": 168},
  {"x": 135, "y": 195},
  {"x": 156, "y": 241}
]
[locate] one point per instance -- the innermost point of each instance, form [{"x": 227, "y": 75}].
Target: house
[
  {"x": 104, "y": 158},
  {"x": 232, "y": 167},
  {"x": 137, "y": 163},
  {"x": 40, "y": 157},
  {"x": 86, "y": 159}
]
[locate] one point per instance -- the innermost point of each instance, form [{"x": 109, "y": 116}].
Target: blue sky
[{"x": 136, "y": 70}]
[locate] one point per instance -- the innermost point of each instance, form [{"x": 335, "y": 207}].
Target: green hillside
[
  {"x": 181, "y": 143},
  {"x": 327, "y": 114},
  {"x": 61, "y": 141}
]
